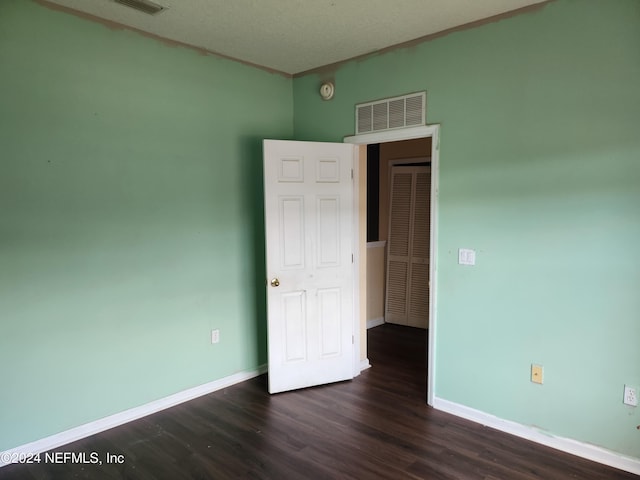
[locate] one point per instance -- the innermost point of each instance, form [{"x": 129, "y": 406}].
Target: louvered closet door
[{"x": 407, "y": 301}]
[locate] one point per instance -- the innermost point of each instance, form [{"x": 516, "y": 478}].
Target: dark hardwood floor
[{"x": 374, "y": 427}]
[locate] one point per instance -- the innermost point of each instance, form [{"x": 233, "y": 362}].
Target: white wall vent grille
[{"x": 397, "y": 112}]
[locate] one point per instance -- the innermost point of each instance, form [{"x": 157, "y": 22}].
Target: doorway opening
[
  {"x": 401, "y": 210},
  {"x": 379, "y": 153}
]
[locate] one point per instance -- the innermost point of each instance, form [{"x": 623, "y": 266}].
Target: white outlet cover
[
  {"x": 630, "y": 396},
  {"x": 466, "y": 256}
]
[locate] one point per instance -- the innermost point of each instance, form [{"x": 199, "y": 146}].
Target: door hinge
[
  {"x": 353, "y": 340},
  {"x": 352, "y": 258},
  {"x": 352, "y": 174}
]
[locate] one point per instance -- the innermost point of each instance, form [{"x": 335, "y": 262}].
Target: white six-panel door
[{"x": 309, "y": 246}]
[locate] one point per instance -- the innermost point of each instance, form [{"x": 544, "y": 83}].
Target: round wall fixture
[{"x": 327, "y": 90}]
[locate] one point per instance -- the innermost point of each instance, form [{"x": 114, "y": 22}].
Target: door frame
[{"x": 425, "y": 131}]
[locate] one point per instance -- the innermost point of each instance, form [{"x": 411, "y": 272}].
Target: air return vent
[
  {"x": 397, "y": 112},
  {"x": 143, "y": 5}
]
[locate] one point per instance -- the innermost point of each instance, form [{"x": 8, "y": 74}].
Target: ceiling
[{"x": 293, "y": 36}]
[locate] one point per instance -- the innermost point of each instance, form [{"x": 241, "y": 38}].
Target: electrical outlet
[
  {"x": 537, "y": 373},
  {"x": 630, "y": 396},
  {"x": 215, "y": 336}
]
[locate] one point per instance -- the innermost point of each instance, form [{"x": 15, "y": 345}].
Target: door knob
[{"x": 275, "y": 282}]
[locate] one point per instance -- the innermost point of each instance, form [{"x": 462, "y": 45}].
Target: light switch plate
[{"x": 466, "y": 256}]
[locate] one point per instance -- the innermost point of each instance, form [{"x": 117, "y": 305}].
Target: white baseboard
[
  {"x": 574, "y": 447},
  {"x": 374, "y": 322},
  {"x": 97, "y": 426},
  {"x": 364, "y": 364}
]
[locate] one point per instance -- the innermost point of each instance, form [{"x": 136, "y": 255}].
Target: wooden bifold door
[{"x": 407, "y": 299}]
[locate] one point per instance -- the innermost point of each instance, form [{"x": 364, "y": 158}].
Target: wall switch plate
[
  {"x": 630, "y": 396},
  {"x": 215, "y": 336},
  {"x": 537, "y": 374},
  {"x": 466, "y": 256}
]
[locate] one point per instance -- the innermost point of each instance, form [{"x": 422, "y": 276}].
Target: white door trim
[
  {"x": 358, "y": 365},
  {"x": 432, "y": 131},
  {"x": 394, "y": 135}
]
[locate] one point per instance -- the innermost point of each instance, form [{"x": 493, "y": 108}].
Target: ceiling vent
[
  {"x": 142, "y": 5},
  {"x": 390, "y": 113}
]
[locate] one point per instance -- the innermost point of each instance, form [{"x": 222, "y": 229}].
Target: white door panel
[{"x": 309, "y": 242}]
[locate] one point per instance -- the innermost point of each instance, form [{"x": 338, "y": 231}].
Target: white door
[{"x": 309, "y": 250}]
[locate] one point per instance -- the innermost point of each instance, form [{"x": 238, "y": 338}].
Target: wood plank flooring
[{"x": 374, "y": 427}]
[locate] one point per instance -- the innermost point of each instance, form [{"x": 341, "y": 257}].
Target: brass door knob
[{"x": 275, "y": 282}]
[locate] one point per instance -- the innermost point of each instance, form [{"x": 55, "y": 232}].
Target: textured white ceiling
[{"x": 293, "y": 36}]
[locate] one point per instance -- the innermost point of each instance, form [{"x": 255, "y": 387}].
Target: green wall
[
  {"x": 130, "y": 218},
  {"x": 540, "y": 173},
  {"x": 131, "y": 214}
]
